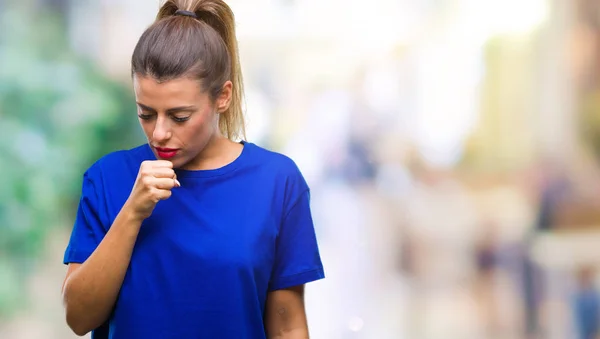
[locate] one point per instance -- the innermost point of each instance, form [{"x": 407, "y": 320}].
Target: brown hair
[{"x": 202, "y": 48}]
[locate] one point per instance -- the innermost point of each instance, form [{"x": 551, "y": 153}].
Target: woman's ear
[{"x": 224, "y": 99}]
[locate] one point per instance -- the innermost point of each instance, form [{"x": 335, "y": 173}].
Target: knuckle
[
  {"x": 146, "y": 181},
  {"x": 154, "y": 196},
  {"x": 145, "y": 170}
]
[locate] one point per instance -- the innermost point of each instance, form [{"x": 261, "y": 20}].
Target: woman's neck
[{"x": 218, "y": 152}]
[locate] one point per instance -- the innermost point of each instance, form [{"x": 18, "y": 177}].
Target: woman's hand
[{"x": 154, "y": 183}]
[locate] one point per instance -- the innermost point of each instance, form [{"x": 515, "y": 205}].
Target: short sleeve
[
  {"x": 297, "y": 258},
  {"x": 89, "y": 229}
]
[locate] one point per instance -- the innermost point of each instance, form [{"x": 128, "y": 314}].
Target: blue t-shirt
[{"x": 206, "y": 258}]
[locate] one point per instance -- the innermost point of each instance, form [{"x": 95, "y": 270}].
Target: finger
[
  {"x": 156, "y": 163},
  {"x": 162, "y": 163},
  {"x": 177, "y": 183},
  {"x": 163, "y": 172},
  {"x": 149, "y": 167},
  {"x": 164, "y": 183},
  {"x": 174, "y": 177},
  {"x": 162, "y": 194}
]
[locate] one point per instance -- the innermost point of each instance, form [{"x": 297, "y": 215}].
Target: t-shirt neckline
[{"x": 182, "y": 173}]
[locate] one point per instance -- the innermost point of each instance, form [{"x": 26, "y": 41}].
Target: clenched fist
[{"x": 154, "y": 182}]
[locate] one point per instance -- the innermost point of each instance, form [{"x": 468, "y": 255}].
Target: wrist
[{"x": 130, "y": 215}]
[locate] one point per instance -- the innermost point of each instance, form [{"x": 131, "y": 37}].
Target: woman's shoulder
[
  {"x": 274, "y": 160},
  {"x": 279, "y": 166}
]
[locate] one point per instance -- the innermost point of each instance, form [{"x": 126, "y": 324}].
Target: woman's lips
[{"x": 166, "y": 153}]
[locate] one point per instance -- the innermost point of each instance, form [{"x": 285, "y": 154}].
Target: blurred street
[{"x": 452, "y": 148}]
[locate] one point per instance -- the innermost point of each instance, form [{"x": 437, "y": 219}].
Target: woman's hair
[{"x": 203, "y": 48}]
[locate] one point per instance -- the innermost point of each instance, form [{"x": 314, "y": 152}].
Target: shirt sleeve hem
[
  {"x": 75, "y": 256},
  {"x": 297, "y": 279}
]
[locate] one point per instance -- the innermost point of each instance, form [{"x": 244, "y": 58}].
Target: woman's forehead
[{"x": 148, "y": 88}]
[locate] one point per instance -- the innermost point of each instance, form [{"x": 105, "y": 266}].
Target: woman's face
[{"x": 178, "y": 117}]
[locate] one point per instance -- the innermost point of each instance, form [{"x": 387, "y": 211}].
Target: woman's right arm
[{"x": 90, "y": 289}]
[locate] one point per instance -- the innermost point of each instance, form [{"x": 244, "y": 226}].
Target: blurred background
[{"x": 452, "y": 149}]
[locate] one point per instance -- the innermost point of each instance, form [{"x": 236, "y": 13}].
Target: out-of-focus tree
[{"x": 58, "y": 114}]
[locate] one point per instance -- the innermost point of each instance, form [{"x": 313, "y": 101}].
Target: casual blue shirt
[{"x": 206, "y": 258}]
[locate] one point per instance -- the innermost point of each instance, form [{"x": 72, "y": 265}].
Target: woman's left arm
[{"x": 285, "y": 316}]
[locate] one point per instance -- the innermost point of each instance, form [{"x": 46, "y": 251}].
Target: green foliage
[{"x": 58, "y": 114}]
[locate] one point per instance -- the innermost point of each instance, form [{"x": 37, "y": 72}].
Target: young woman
[{"x": 192, "y": 235}]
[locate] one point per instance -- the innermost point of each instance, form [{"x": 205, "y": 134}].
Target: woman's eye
[
  {"x": 180, "y": 119},
  {"x": 144, "y": 116}
]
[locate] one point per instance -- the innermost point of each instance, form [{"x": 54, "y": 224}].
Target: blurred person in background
[
  {"x": 487, "y": 262},
  {"x": 192, "y": 234},
  {"x": 552, "y": 188},
  {"x": 586, "y": 305}
]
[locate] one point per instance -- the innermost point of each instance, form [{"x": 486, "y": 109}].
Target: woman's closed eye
[
  {"x": 145, "y": 116},
  {"x": 180, "y": 118},
  {"x": 176, "y": 118}
]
